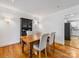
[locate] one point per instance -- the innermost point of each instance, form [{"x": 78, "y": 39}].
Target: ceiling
[{"x": 40, "y": 7}]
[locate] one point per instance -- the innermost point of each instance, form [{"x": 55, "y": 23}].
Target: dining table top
[{"x": 31, "y": 38}]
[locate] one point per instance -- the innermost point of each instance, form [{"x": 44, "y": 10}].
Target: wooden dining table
[{"x": 30, "y": 40}]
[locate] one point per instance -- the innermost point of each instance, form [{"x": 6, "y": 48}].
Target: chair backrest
[
  {"x": 29, "y": 32},
  {"x": 43, "y": 41},
  {"x": 52, "y": 38}
]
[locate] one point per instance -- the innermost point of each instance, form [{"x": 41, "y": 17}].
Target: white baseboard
[
  {"x": 59, "y": 42},
  {"x": 9, "y": 43}
]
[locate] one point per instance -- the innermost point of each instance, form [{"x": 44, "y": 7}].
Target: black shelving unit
[{"x": 26, "y": 25}]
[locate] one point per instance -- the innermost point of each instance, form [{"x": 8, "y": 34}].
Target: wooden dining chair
[{"x": 41, "y": 45}]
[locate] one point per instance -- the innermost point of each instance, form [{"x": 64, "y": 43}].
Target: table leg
[
  {"x": 22, "y": 46},
  {"x": 31, "y": 48}
]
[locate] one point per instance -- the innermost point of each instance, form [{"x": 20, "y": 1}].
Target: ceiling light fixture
[{"x": 13, "y": 1}]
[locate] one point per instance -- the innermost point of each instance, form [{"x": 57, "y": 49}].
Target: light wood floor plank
[{"x": 61, "y": 51}]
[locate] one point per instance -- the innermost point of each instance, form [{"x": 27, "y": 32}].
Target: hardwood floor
[
  {"x": 74, "y": 42},
  {"x": 61, "y": 51}
]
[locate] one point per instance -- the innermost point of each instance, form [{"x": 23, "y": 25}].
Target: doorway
[{"x": 72, "y": 33}]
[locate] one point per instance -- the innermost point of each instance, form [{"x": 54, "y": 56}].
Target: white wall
[
  {"x": 50, "y": 23},
  {"x": 10, "y": 33},
  {"x": 36, "y": 27},
  {"x": 55, "y": 22}
]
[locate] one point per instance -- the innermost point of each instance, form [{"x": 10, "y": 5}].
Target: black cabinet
[
  {"x": 26, "y": 24},
  {"x": 67, "y": 31}
]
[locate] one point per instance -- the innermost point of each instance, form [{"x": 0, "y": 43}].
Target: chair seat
[{"x": 36, "y": 47}]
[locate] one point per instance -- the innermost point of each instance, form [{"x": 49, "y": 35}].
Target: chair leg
[
  {"x": 39, "y": 54},
  {"x": 46, "y": 52},
  {"x": 48, "y": 48},
  {"x": 53, "y": 46},
  {"x": 35, "y": 52}
]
